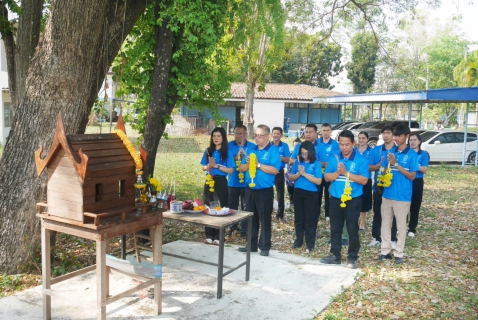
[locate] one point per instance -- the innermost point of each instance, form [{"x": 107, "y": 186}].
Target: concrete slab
[{"x": 282, "y": 286}]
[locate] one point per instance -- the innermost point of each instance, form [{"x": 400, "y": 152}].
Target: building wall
[
  {"x": 5, "y": 96},
  {"x": 270, "y": 113}
]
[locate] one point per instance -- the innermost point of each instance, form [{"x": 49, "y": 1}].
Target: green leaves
[{"x": 361, "y": 70}]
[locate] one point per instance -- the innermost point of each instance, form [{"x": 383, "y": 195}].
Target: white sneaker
[
  {"x": 374, "y": 243},
  {"x": 411, "y": 234},
  {"x": 394, "y": 245},
  {"x": 327, "y": 219}
]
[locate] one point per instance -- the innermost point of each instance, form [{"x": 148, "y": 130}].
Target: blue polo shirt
[
  {"x": 313, "y": 168},
  {"x": 268, "y": 156},
  {"x": 367, "y": 154},
  {"x": 296, "y": 151},
  {"x": 356, "y": 164},
  {"x": 327, "y": 149},
  {"x": 284, "y": 151},
  {"x": 229, "y": 162},
  {"x": 401, "y": 187},
  {"x": 233, "y": 179},
  {"x": 422, "y": 162},
  {"x": 375, "y": 156}
]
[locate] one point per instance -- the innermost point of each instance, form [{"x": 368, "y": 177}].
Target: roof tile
[{"x": 279, "y": 91}]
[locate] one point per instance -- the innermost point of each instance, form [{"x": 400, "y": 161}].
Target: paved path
[{"x": 282, "y": 286}]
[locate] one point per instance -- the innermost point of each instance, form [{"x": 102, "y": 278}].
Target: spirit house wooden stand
[{"x": 90, "y": 194}]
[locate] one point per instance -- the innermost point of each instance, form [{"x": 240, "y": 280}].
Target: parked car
[
  {"x": 448, "y": 145},
  {"x": 419, "y": 131},
  {"x": 349, "y": 126},
  {"x": 374, "y": 129},
  {"x": 337, "y": 126}
]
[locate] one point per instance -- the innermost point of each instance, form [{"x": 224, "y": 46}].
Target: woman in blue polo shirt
[
  {"x": 365, "y": 150},
  {"x": 218, "y": 163},
  {"x": 415, "y": 141},
  {"x": 307, "y": 176}
]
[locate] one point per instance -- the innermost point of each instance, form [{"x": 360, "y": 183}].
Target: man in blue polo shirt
[
  {"x": 260, "y": 196},
  {"x": 237, "y": 189},
  {"x": 397, "y": 197},
  {"x": 379, "y": 161},
  {"x": 350, "y": 165},
  {"x": 327, "y": 147},
  {"x": 284, "y": 153}
]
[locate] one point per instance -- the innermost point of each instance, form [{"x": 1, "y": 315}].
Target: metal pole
[
  {"x": 466, "y": 133},
  {"x": 380, "y": 113},
  {"x": 371, "y": 112},
  {"x": 421, "y": 115},
  {"x": 410, "y": 115}
]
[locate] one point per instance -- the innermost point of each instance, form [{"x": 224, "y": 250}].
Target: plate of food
[
  {"x": 196, "y": 206},
  {"x": 218, "y": 211},
  {"x": 194, "y": 211}
]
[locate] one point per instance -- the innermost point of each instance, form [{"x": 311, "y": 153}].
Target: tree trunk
[
  {"x": 159, "y": 108},
  {"x": 79, "y": 43},
  {"x": 249, "y": 108}
]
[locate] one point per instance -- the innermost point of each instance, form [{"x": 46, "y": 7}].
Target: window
[
  {"x": 7, "y": 114},
  {"x": 444, "y": 138}
]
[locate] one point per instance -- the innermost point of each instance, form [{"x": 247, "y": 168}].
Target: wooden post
[
  {"x": 100, "y": 279},
  {"x": 45, "y": 269},
  {"x": 157, "y": 243}
]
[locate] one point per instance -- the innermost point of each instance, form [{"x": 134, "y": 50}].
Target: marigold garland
[
  {"x": 132, "y": 150},
  {"x": 238, "y": 163},
  {"x": 385, "y": 180},
  {"x": 252, "y": 168},
  {"x": 347, "y": 195},
  {"x": 210, "y": 181}
]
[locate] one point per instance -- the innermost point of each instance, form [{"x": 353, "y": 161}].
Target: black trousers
[
  {"x": 417, "y": 196},
  {"x": 261, "y": 203},
  {"x": 279, "y": 184},
  {"x": 236, "y": 194},
  {"x": 324, "y": 189},
  {"x": 350, "y": 214},
  {"x": 220, "y": 193},
  {"x": 377, "y": 219},
  {"x": 290, "y": 190},
  {"x": 305, "y": 217}
]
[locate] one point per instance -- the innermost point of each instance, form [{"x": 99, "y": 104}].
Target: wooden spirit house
[{"x": 88, "y": 174}]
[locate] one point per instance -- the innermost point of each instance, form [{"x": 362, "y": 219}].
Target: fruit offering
[{"x": 188, "y": 205}]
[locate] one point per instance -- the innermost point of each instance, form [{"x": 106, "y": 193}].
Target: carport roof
[{"x": 469, "y": 94}]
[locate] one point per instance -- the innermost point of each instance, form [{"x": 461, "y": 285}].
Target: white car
[{"x": 448, "y": 145}]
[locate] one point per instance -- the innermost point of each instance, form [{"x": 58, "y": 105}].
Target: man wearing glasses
[
  {"x": 237, "y": 189},
  {"x": 260, "y": 189},
  {"x": 284, "y": 153}
]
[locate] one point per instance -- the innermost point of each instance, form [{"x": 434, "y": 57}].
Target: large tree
[
  {"x": 60, "y": 69},
  {"x": 173, "y": 56},
  {"x": 361, "y": 70},
  {"x": 309, "y": 60},
  {"x": 256, "y": 33}
]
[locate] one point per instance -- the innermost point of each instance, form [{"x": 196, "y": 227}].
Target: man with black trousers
[
  {"x": 284, "y": 153},
  {"x": 347, "y": 170},
  {"x": 327, "y": 147},
  {"x": 260, "y": 188}
]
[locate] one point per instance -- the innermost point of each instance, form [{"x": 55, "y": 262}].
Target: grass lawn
[{"x": 437, "y": 280}]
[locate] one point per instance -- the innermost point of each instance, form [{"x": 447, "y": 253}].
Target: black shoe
[
  {"x": 352, "y": 264},
  {"x": 331, "y": 259},
  {"x": 398, "y": 260},
  {"x": 264, "y": 253},
  {"x": 244, "y": 249},
  {"x": 295, "y": 246},
  {"x": 384, "y": 257},
  {"x": 310, "y": 250}
]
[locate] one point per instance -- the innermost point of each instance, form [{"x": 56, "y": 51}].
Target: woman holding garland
[
  {"x": 415, "y": 142},
  {"x": 218, "y": 163},
  {"x": 307, "y": 176},
  {"x": 365, "y": 150}
]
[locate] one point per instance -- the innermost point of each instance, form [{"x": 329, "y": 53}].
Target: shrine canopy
[{"x": 447, "y": 95}]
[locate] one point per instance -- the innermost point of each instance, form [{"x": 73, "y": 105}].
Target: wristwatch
[{"x": 258, "y": 164}]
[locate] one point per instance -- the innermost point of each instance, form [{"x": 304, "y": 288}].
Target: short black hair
[
  {"x": 277, "y": 128},
  {"x": 347, "y": 134},
  {"x": 401, "y": 129},
  {"x": 387, "y": 128},
  {"x": 307, "y": 145},
  {"x": 311, "y": 125},
  {"x": 241, "y": 126},
  {"x": 327, "y": 125}
]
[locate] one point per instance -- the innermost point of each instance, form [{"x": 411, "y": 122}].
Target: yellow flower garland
[
  {"x": 131, "y": 149},
  {"x": 238, "y": 164},
  {"x": 252, "y": 168},
  {"x": 385, "y": 180},
  {"x": 346, "y": 196},
  {"x": 210, "y": 181}
]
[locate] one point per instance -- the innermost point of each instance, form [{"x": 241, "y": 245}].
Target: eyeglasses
[{"x": 259, "y": 135}]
